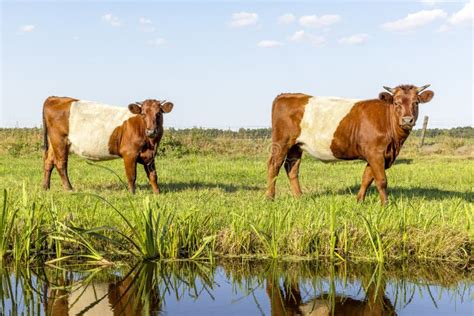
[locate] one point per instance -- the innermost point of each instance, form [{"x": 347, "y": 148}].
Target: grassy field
[{"x": 213, "y": 205}]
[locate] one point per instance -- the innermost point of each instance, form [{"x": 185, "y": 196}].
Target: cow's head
[
  {"x": 405, "y": 99},
  {"x": 152, "y": 113}
]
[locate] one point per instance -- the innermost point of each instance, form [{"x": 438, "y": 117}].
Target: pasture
[{"x": 212, "y": 205}]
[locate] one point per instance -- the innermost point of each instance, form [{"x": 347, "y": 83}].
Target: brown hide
[
  {"x": 287, "y": 112},
  {"x": 56, "y": 129}
]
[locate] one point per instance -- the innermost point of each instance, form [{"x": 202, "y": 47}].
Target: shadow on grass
[
  {"x": 403, "y": 161},
  {"x": 427, "y": 193},
  {"x": 199, "y": 185},
  {"x": 179, "y": 186}
]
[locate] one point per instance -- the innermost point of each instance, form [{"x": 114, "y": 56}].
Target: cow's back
[
  {"x": 90, "y": 126},
  {"x": 322, "y": 116}
]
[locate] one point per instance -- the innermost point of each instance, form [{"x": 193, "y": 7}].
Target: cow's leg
[
  {"x": 377, "y": 165},
  {"x": 277, "y": 156},
  {"x": 293, "y": 294},
  {"x": 131, "y": 171},
  {"x": 61, "y": 166},
  {"x": 48, "y": 166},
  {"x": 275, "y": 294},
  {"x": 292, "y": 167},
  {"x": 367, "y": 179},
  {"x": 61, "y": 151},
  {"x": 151, "y": 174}
]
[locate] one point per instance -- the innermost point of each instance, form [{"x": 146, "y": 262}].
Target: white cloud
[
  {"x": 463, "y": 16},
  {"x": 297, "y": 36},
  {"x": 302, "y": 36},
  {"x": 356, "y": 39},
  {"x": 287, "y": 18},
  {"x": 27, "y": 28},
  {"x": 143, "y": 20},
  {"x": 111, "y": 19},
  {"x": 242, "y": 19},
  {"x": 156, "y": 42},
  {"x": 269, "y": 44},
  {"x": 319, "y": 21},
  {"x": 415, "y": 20}
]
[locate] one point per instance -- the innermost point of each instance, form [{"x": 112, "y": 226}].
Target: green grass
[{"x": 214, "y": 206}]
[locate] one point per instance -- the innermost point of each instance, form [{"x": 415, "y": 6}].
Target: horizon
[
  {"x": 223, "y": 63},
  {"x": 237, "y": 129}
]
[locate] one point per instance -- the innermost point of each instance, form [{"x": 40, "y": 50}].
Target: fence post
[{"x": 423, "y": 131}]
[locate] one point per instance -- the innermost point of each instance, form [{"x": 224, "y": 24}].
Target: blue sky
[{"x": 222, "y": 63}]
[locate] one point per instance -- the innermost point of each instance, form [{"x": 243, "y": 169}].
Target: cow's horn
[
  {"x": 389, "y": 89},
  {"x": 418, "y": 90},
  {"x": 163, "y": 101},
  {"x": 139, "y": 103}
]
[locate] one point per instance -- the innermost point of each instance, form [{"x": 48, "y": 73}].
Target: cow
[
  {"x": 287, "y": 301},
  {"x": 135, "y": 294},
  {"x": 333, "y": 129},
  {"x": 102, "y": 132}
]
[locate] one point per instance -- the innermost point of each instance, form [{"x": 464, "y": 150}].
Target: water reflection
[
  {"x": 133, "y": 294},
  {"x": 287, "y": 300},
  {"x": 236, "y": 287}
]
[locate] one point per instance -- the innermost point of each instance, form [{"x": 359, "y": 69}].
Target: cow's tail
[{"x": 45, "y": 132}]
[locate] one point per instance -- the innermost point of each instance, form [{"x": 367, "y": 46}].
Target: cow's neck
[
  {"x": 150, "y": 143},
  {"x": 398, "y": 134}
]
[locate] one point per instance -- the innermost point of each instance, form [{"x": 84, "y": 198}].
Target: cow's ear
[
  {"x": 426, "y": 96},
  {"x": 135, "y": 108},
  {"x": 386, "y": 97},
  {"x": 167, "y": 107}
]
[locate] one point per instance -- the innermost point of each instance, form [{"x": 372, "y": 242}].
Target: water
[{"x": 237, "y": 288}]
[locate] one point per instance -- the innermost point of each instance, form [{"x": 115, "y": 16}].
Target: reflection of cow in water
[
  {"x": 101, "y": 299},
  {"x": 288, "y": 302}
]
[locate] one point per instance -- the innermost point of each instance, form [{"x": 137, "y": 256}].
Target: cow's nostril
[{"x": 408, "y": 120}]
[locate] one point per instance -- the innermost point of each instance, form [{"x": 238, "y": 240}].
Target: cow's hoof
[{"x": 269, "y": 196}]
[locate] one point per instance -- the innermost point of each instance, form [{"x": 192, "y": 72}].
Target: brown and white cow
[
  {"x": 130, "y": 296},
  {"x": 102, "y": 132},
  {"x": 287, "y": 301},
  {"x": 332, "y": 129}
]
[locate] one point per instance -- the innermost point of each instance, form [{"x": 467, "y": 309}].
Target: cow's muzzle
[
  {"x": 407, "y": 122},
  {"x": 150, "y": 133}
]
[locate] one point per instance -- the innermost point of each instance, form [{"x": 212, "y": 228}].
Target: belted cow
[
  {"x": 288, "y": 301},
  {"x": 333, "y": 129},
  {"x": 102, "y": 132}
]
